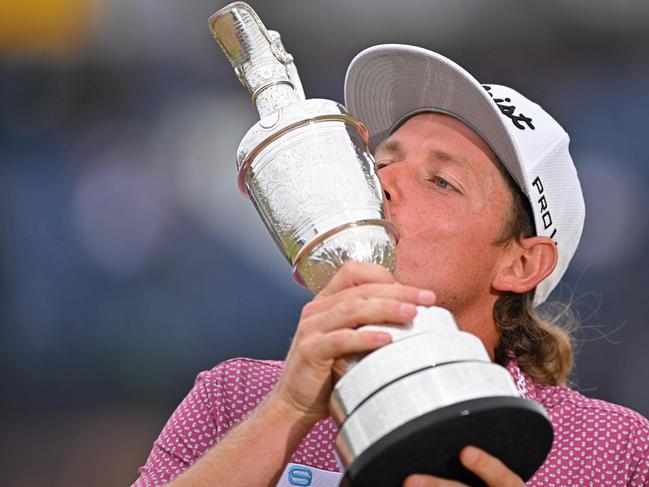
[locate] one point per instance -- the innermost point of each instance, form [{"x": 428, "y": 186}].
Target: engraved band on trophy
[{"x": 410, "y": 406}]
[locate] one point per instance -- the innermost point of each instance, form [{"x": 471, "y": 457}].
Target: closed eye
[{"x": 382, "y": 163}]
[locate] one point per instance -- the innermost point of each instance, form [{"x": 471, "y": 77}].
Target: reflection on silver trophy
[{"x": 410, "y": 406}]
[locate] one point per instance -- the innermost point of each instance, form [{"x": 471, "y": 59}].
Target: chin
[{"x": 403, "y": 276}]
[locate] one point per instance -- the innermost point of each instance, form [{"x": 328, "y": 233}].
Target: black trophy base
[{"x": 513, "y": 429}]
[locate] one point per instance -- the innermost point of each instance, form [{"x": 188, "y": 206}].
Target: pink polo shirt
[{"x": 595, "y": 442}]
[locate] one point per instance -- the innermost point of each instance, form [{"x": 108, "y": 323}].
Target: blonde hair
[
  {"x": 540, "y": 341},
  {"x": 541, "y": 344}
]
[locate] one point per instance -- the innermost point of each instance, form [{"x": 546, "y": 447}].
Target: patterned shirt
[{"x": 595, "y": 443}]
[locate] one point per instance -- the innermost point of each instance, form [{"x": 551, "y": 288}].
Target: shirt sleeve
[
  {"x": 220, "y": 399},
  {"x": 190, "y": 431},
  {"x": 640, "y": 475}
]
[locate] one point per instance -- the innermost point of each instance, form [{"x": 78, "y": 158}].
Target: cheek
[
  {"x": 433, "y": 216},
  {"x": 489, "y": 212},
  {"x": 439, "y": 246},
  {"x": 428, "y": 239}
]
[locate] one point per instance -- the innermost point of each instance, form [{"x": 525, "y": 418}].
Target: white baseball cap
[{"x": 389, "y": 83}]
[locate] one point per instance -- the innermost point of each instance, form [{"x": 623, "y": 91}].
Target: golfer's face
[{"x": 447, "y": 194}]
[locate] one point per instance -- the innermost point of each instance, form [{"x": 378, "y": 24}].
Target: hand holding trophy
[{"x": 408, "y": 407}]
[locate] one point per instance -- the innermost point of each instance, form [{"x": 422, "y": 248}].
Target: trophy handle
[
  {"x": 291, "y": 70},
  {"x": 258, "y": 57}
]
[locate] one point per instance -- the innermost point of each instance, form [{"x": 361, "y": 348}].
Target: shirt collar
[{"x": 527, "y": 387}]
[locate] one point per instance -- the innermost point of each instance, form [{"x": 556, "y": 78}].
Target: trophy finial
[{"x": 258, "y": 57}]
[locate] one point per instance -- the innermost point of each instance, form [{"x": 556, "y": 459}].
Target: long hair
[{"x": 541, "y": 343}]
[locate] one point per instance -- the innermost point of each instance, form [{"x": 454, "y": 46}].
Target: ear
[{"x": 527, "y": 264}]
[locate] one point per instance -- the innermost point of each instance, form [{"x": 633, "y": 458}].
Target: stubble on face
[{"x": 449, "y": 240}]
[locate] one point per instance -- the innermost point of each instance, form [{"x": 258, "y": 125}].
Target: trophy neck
[
  {"x": 274, "y": 97},
  {"x": 258, "y": 57}
]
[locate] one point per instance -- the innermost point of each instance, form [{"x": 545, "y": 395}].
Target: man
[{"x": 480, "y": 184}]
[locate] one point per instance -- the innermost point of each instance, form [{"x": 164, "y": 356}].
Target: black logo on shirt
[{"x": 510, "y": 110}]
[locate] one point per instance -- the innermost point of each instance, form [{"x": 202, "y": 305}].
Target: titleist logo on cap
[{"x": 510, "y": 111}]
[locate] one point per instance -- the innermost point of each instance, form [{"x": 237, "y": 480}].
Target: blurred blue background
[{"x": 130, "y": 262}]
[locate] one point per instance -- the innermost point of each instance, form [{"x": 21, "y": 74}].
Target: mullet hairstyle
[{"x": 541, "y": 344}]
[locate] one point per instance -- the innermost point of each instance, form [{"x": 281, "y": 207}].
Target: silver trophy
[{"x": 410, "y": 406}]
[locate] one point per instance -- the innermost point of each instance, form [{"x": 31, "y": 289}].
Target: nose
[
  {"x": 386, "y": 194},
  {"x": 388, "y": 176}
]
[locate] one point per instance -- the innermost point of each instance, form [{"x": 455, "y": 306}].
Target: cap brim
[{"x": 388, "y": 83}]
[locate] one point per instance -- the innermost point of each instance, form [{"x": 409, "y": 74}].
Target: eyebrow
[
  {"x": 389, "y": 145},
  {"x": 392, "y": 145},
  {"x": 445, "y": 156}
]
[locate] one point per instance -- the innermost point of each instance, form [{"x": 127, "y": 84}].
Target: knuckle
[
  {"x": 383, "y": 273},
  {"x": 389, "y": 309},
  {"x": 368, "y": 290},
  {"x": 350, "y": 267},
  {"x": 366, "y": 337},
  {"x": 307, "y": 346},
  {"x": 350, "y": 306},
  {"x": 337, "y": 339},
  {"x": 306, "y": 324},
  {"x": 372, "y": 289},
  {"x": 392, "y": 307},
  {"x": 407, "y": 293},
  {"x": 312, "y": 307},
  {"x": 307, "y": 310},
  {"x": 410, "y": 294},
  {"x": 382, "y": 270}
]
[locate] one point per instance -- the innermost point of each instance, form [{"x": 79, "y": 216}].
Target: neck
[{"x": 479, "y": 321}]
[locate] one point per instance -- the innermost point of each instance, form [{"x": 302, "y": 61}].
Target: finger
[
  {"x": 354, "y": 312},
  {"x": 489, "y": 468},
  {"x": 343, "y": 342},
  {"x": 419, "y": 480},
  {"x": 397, "y": 291},
  {"x": 355, "y": 273}
]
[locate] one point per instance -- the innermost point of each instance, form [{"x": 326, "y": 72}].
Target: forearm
[{"x": 253, "y": 453}]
